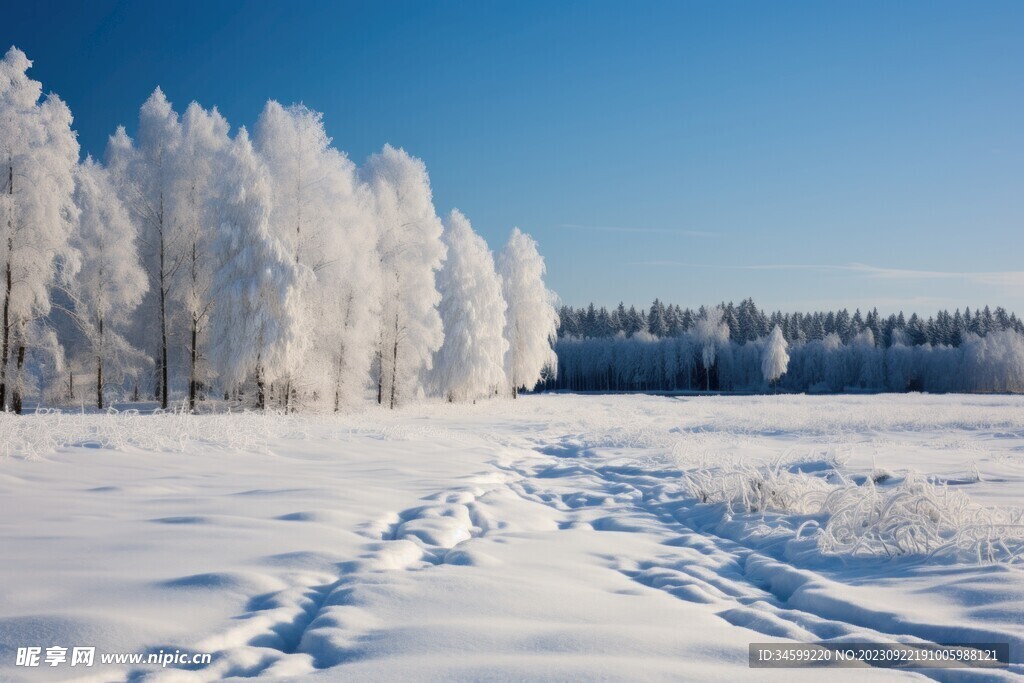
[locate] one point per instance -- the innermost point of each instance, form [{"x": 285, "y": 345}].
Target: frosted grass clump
[
  {"x": 47, "y": 431},
  {"x": 917, "y": 517},
  {"x": 748, "y": 489},
  {"x": 912, "y": 518}
]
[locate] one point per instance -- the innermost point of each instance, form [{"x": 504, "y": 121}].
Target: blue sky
[{"x": 809, "y": 154}]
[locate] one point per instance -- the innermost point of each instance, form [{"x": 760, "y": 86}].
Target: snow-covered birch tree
[
  {"x": 531, "y": 322},
  {"x": 410, "y": 252},
  {"x": 471, "y": 362},
  {"x": 255, "y": 327},
  {"x": 774, "y": 359},
  {"x": 38, "y": 154},
  {"x": 146, "y": 177},
  {"x": 108, "y": 282},
  {"x": 199, "y": 164},
  {"x": 295, "y": 147},
  {"x": 711, "y": 334},
  {"x": 348, "y": 293},
  {"x": 322, "y": 215}
]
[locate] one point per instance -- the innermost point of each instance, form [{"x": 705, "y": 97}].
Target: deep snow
[{"x": 557, "y": 537}]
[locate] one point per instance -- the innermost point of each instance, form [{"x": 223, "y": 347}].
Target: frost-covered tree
[
  {"x": 531, "y": 321},
  {"x": 255, "y": 327},
  {"x": 297, "y": 151},
  {"x": 410, "y": 252},
  {"x": 774, "y": 358},
  {"x": 38, "y": 155},
  {"x": 819, "y": 360},
  {"x": 656, "y": 319},
  {"x": 712, "y": 334},
  {"x": 199, "y": 164},
  {"x": 323, "y": 216},
  {"x": 347, "y": 297},
  {"x": 471, "y": 362},
  {"x": 147, "y": 179},
  {"x": 994, "y": 362},
  {"x": 108, "y": 281}
]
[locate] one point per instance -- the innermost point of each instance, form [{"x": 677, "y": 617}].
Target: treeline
[
  {"x": 747, "y": 322},
  {"x": 197, "y": 262},
  {"x": 704, "y": 355}
]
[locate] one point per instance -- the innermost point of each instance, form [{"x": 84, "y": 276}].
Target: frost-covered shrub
[
  {"x": 912, "y": 518},
  {"x": 917, "y": 517},
  {"x": 749, "y": 489},
  {"x": 45, "y": 432}
]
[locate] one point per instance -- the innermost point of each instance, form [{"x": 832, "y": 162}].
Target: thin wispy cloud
[
  {"x": 1009, "y": 278},
  {"x": 991, "y": 278},
  {"x": 658, "y": 231}
]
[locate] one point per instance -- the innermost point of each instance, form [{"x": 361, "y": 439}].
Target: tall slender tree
[
  {"x": 774, "y": 359},
  {"x": 471, "y": 361},
  {"x": 146, "y": 177},
  {"x": 712, "y": 333},
  {"x": 531, "y": 321},
  {"x": 38, "y": 153},
  {"x": 323, "y": 216},
  {"x": 255, "y": 327},
  {"x": 199, "y": 163},
  {"x": 410, "y": 252},
  {"x": 108, "y": 282}
]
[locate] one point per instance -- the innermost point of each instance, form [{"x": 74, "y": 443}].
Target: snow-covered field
[{"x": 552, "y": 537}]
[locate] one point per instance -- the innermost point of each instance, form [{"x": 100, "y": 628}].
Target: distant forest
[
  {"x": 731, "y": 348},
  {"x": 748, "y": 323}
]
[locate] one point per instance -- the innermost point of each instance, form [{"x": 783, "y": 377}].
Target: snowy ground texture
[{"x": 553, "y": 537}]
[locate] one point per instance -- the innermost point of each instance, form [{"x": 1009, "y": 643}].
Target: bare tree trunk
[
  {"x": 16, "y": 395},
  {"x": 394, "y": 365},
  {"x": 99, "y": 371},
  {"x": 261, "y": 396},
  {"x": 163, "y": 340},
  {"x": 163, "y": 311},
  {"x": 5, "y": 352},
  {"x": 71, "y": 384},
  {"x": 194, "y": 346},
  {"x": 380, "y": 376},
  {"x": 99, "y": 382},
  {"x": 512, "y": 373},
  {"x": 8, "y": 284},
  {"x": 192, "y": 366},
  {"x": 338, "y": 380}
]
